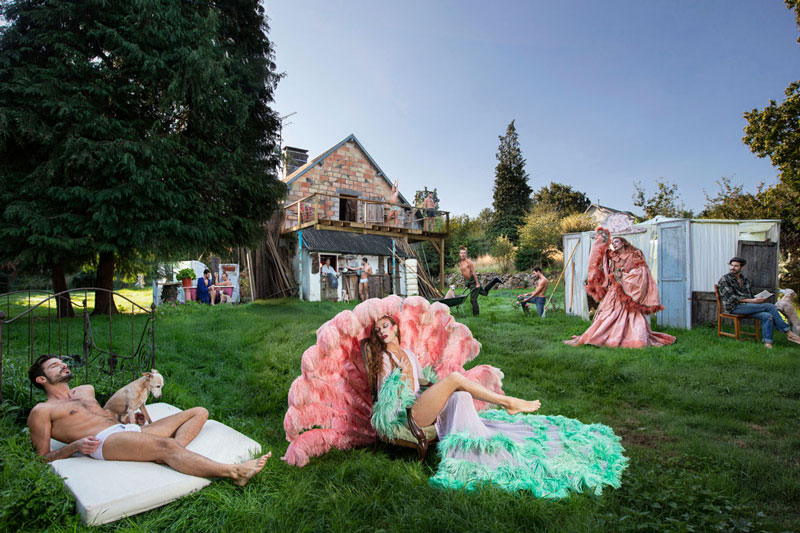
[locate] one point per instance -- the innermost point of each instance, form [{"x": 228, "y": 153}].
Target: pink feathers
[{"x": 330, "y": 403}]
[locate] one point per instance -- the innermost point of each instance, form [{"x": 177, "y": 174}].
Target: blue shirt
[{"x": 202, "y": 291}]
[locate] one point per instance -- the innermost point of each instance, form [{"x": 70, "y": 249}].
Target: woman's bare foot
[
  {"x": 523, "y": 406},
  {"x": 246, "y": 470}
]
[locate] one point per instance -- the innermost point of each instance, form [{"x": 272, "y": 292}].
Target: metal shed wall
[{"x": 714, "y": 243}]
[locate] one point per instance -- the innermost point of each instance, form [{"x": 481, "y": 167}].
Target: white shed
[{"x": 687, "y": 257}]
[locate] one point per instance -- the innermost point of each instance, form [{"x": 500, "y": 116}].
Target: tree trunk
[
  {"x": 63, "y": 304},
  {"x": 104, "y": 301}
]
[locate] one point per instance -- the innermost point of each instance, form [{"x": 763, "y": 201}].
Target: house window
[{"x": 348, "y": 208}]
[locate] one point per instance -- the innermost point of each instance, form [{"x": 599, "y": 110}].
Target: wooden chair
[
  {"x": 737, "y": 323},
  {"x": 412, "y": 436}
]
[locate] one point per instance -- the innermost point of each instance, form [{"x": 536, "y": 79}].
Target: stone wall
[
  {"x": 518, "y": 280},
  {"x": 347, "y": 171}
]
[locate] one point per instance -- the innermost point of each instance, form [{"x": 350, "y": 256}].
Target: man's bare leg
[
  {"x": 432, "y": 401},
  {"x": 183, "y": 426},
  {"x": 144, "y": 447}
]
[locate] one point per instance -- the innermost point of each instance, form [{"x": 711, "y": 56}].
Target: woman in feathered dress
[{"x": 620, "y": 280}]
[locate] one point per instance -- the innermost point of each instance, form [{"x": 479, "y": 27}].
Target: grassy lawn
[{"x": 710, "y": 425}]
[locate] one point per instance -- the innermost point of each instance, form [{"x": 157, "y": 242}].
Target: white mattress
[{"x": 109, "y": 490}]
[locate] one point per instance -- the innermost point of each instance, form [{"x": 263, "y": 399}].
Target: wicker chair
[
  {"x": 737, "y": 323},
  {"x": 412, "y": 436}
]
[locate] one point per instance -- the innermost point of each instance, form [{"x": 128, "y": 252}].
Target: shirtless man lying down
[{"x": 74, "y": 416}]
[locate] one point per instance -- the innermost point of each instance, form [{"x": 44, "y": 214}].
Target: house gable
[{"x": 345, "y": 169}]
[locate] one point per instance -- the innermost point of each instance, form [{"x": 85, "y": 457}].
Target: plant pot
[{"x": 187, "y": 282}]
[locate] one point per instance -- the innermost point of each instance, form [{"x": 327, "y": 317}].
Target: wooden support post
[
  {"x": 441, "y": 267},
  {"x": 316, "y": 208}
]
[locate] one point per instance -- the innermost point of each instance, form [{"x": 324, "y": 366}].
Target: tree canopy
[
  {"x": 774, "y": 131},
  {"x": 511, "y": 190},
  {"x": 664, "y": 201},
  {"x": 564, "y": 199},
  {"x": 131, "y": 127}
]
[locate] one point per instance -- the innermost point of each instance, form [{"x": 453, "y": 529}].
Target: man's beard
[{"x": 62, "y": 378}]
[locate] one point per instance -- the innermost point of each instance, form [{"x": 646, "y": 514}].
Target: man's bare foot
[
  {"x": 246, "y": 470},
  {"x": 767, "y": 345},
  {"x": 524, "y": 406},
  {"x": 793, "y": 337}
]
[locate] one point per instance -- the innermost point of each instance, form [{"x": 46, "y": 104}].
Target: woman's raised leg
[{"x": 431, "y": 402}]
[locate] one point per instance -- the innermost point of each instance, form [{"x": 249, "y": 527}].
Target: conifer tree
[
  {"x": 134, "y": 126},
  {"x": 512, "y": 194}
]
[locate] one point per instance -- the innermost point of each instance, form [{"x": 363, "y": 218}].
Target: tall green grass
[{"x": 710, "y": 426}]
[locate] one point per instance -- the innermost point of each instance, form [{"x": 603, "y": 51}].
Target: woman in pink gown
[{"x": 620, "y": 280}]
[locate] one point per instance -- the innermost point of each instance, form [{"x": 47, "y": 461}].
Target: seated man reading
[
  {"x": 736, "y": 296},
  {"x": 73, "y": 416}
]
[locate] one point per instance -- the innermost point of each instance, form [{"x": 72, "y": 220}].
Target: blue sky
[{"x": 604, "y": 94}]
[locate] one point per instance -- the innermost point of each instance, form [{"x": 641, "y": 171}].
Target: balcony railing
[{"x": 321, "y": 209}]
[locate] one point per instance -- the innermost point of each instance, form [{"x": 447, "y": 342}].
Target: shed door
[
  {"x": 762, "y": 265},
  {"x": 674, "y": 260}
]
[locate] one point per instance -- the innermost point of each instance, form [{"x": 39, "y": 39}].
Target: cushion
[
  {"x": 405, "y": 434},
  {"x": 106, "y": 491}
]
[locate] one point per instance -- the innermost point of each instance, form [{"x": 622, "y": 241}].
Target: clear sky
[{"x": 604, "y": 94}]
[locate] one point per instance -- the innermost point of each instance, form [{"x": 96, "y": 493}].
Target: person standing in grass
[
  {"x": 537, "y": 295},
  {"x": 736, "y": 294},
  {"x": 363, "y": 283},
  {"x": 620, "y": 280},
  {"x": 467, "y": 268}
]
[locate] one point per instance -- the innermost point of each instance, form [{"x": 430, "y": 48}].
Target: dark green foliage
[
  {"x": 527, "y": 258},
  {"x": 564, "y": 199},
  {"x": 84, "y": 278},
  {"x": 132, "y": 127},
  {"x": 470, "y": 232},
  {"x": 511, "y": 190},
  {"x": 664, "y": 201}
]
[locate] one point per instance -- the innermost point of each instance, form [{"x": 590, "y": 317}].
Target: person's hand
[
  {"x": 87, "y": 445},
  {"x": 759, "y": 300}
]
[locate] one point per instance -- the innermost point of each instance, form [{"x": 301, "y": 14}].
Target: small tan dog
[
  {"x": 133, "y": 396},
  {"x": 786, "y": 306}
]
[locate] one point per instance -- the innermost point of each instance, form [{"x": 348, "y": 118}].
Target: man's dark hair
[
  {"x": 537, "y": 269},
  {"x": 206, "y": 271},
  {"x": 37, "y": 369},
  {"x": 739, "y": 260},
  {"x": 364, "y": 259}
]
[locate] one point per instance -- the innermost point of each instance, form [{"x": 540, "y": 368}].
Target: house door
[
  {"x": 674, "y": 260},
  {"x": 347, "y": 208},
  {"x": 762, "y": 265}
]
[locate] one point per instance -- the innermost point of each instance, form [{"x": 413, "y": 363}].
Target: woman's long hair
[{"x": 376, "y": 349}]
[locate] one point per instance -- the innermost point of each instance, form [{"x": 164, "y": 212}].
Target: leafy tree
[
  {"x": 503, "y": 250},
  {"x": 511, "y": 189},
  {"x": 564, "y": 198},
  {"x": 774, "y": 131},
  {"x": 127, "y": 130},
  {"x": 539, "y": 237},
  {"x": 664, "y": 201},
  {"x": 576, "y": 223}
]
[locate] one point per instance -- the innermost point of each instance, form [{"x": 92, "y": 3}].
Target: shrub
[
  {"x": 576, "y": 223},
  {"x": 84, "y": 278},
  {"x": 503, "y": 251}
]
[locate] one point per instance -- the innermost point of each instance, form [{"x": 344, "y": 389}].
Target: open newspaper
[{"x": 763, "y": 294}]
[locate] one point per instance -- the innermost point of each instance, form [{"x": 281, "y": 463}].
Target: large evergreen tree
[
  {"x": 134, "y": 126},
  {"x": 563, "y": 198},
  {"x": 512, "y": 194}
]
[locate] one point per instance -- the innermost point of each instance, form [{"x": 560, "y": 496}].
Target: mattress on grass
[{"x": 106, "y": 491}]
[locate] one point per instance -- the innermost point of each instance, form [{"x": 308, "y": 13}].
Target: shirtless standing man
[
  {"x": 430, "y": 211},
  {"x": 394, "y": 210},
  {"x": 467, "y": 268},
  {"x": 363, "y": 283},
  {"x": 74, "y": 416}
]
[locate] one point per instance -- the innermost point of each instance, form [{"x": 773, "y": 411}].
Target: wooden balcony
[{"x": 358, "y": 215}]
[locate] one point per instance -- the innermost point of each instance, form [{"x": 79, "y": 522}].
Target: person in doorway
[
  {"x": 736, "y": 295},
  {"x": 467, "y": 268},
  {"x": 537, "y": 296},
  {"x": 330, "y": 273},
  {"x": 363, "y": 283}
]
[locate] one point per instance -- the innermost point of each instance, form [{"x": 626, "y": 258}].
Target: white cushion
[{"x": 109, "y": 490}]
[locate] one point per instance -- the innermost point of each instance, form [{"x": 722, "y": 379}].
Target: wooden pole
[
  {"x": 544, "y": 312},
  {"x": 441, "y": 266}
]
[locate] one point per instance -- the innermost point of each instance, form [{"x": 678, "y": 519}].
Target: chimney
[{"x": 293, "y": 158}]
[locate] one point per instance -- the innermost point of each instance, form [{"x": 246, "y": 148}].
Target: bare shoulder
[
  {"x": 40, "y": 411},
  {"x": 84, "y": 391}
]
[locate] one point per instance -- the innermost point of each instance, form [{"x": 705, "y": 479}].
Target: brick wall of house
[{"x": 347, "y": 171}]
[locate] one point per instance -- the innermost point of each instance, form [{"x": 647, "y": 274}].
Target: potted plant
[{"x": 186, "y": 275}]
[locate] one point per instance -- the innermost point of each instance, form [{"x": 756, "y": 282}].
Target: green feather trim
[
  {"x": 584, "y": 457},
  {"x": 389, "y": 412},
  {"x": 430, "y": 374}
]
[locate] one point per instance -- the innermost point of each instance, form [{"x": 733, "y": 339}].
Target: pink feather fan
[{"x": 330, "y": 404}]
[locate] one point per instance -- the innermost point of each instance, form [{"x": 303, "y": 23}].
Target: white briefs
[
  {"x": 362, "y": 280},
  {"x": 116, "y": 428}
]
